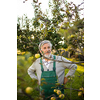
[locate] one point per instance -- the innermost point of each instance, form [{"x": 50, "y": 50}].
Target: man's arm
[
  {"x": 72, "y": 68},
  {"x": 31, "y": 71},
  {"x": 65, "y": 80}
]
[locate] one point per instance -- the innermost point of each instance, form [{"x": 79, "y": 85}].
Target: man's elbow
[
  {"x": 75, "y": 66},
  {"x": 29, "y": 71}
]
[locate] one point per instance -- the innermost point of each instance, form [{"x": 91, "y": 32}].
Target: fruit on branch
[
  {"x": 53, "y": 98},
  {"x": 58, "y": 92},
  {"x": 79, "y": 93},
  {"x": 55, "y": 90},
  {"x": 61, "y": 96},
  {"x": 37, "y": 55},
  {"x": 72, "y": 36},
  {"x": 28, "y": 90},
  {"x": 81, "y": 89}
]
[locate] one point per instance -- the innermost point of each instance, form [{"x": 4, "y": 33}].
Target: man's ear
[{"x": 41, "y": 51}]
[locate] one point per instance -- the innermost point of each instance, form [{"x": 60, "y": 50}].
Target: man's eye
[
  {"x": 44, "y": 47},
  {"x": 48, "y": 47}
]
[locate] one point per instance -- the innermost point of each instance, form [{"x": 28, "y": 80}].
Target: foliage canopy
[{"x": 64, "y": 29}]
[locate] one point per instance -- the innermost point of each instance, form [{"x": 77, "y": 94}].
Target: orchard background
[{"x": 65, "y": 30}]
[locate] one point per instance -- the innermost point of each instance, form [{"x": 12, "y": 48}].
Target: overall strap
[
  {"x": 42, "y": 69},
  {"x": 54, "y": 63}
]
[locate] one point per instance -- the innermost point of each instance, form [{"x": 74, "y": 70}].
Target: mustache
[
  {"x": 49, "y": 55},
  {"x": 47, "y": 52}
]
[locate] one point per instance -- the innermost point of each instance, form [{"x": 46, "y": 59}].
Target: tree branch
[
  {"x": 73, "y": 89},
  {"x": 20, "y": 78},
  {"x": 63, "y": 61}
]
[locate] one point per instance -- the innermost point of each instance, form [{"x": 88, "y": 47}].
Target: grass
[
  {"x": 25, "y": 61},
  {"x": 76, "y": 83}
]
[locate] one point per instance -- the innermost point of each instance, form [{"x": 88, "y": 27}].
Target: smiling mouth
[{"x": 47, "y": 53}]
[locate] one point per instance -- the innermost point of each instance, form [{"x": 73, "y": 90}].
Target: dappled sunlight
[{"x": 80, "y": 68}]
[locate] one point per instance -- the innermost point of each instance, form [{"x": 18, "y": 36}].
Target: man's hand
[
  {"x": 65, "y": 80},
  {"x": 38, "y": 82}
]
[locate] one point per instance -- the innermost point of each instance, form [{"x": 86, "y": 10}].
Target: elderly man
[{"x": 49, "y": 70}]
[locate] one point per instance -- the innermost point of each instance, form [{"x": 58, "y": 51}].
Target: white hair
[{"x": 44, "y": 42}]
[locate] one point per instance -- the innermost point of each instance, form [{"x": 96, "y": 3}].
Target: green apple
[
  {"x": 37, "y": 55},
  {"x": 58, "y": 92},
  {"x": 79, "y": 93},
  {"x": 55, "y": 90},
  {"x": 72, "y": 36},
  {"x": 61, "y": 96},
  {"x": 28, "y": 90},
  {"x": 81, "y": 89},
  {"x": 53, "y": 98}
]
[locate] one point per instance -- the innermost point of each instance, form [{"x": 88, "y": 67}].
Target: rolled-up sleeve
[
  {"x": 32, "y": 70},
  {"x": 72, "y": 67}
]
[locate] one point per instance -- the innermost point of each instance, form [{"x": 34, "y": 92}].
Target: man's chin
[{"x": 48, "y": 56}]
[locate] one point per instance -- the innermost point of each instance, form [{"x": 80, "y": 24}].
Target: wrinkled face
[{"x": 46, "y": 49}]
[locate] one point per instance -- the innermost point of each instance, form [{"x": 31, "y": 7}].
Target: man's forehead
[{"x": 45, "y": 44}]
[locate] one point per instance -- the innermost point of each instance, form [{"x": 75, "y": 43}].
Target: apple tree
[{"x": 65, "y": 26}]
